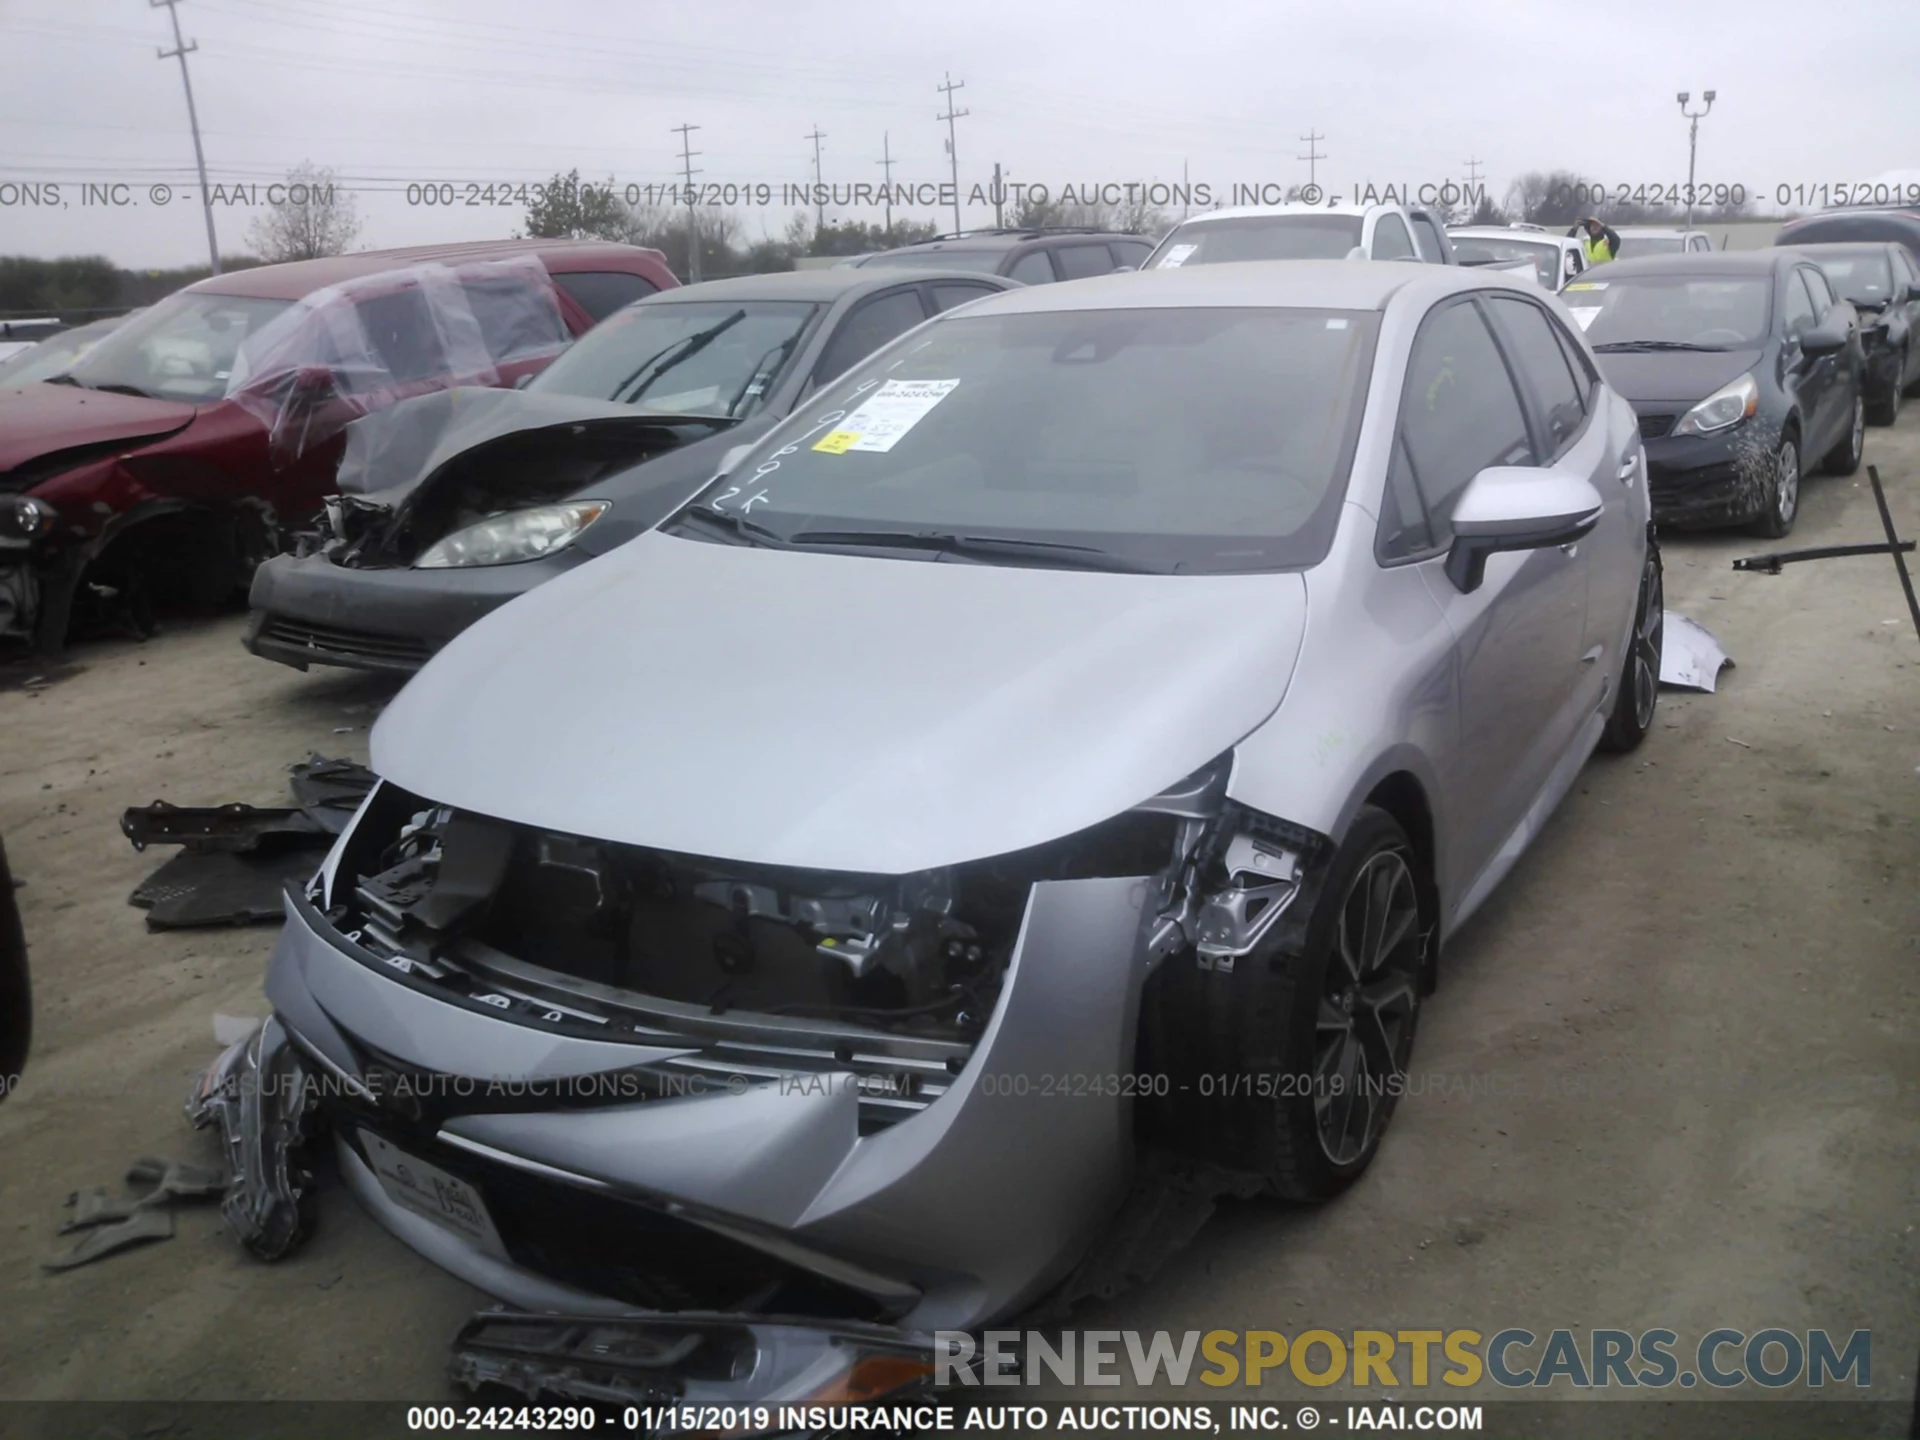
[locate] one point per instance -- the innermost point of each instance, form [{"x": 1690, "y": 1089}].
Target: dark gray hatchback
[{"x": 455, "y": 503}]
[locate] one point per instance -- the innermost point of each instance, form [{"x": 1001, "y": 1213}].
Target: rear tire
[
  {"x": 1292, "y": 1061},
  {"x": 1639, "y": 685},
  {"x": 1844, "y": 459},
  {"x": 1781, "y": 502}
]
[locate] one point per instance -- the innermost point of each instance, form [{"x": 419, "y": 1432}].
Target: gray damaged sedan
[
  {"x": 1073, "y": 735},
  {"x": 453, "y": 503}
]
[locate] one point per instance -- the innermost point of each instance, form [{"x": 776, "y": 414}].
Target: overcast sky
[{"x": 389, "y": 92}]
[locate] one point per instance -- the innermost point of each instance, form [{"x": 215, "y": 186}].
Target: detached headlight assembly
[
  {"x": 1727, "y": 406},
  {"x": 513, "y": 537}
]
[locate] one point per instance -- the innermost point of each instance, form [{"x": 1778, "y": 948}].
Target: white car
[
  {"x": 1639, "y": 240},
  {"x": 1556, "y": 258},
  {"x": 1291, "y": 232}
]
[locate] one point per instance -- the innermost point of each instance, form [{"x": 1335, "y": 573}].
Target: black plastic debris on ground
[{"x": 235, "y": 860}]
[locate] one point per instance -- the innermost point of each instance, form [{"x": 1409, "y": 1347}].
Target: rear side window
[
  {"x": 1544, "y": 364},
  {"x": 872, "y": 324},
  {"x": 956, "y": 292},
  {"x": 1131, "y": 252},
  {"x": 601, "y": 292},
  {"x": 1391, "y": 241},
  {"x": 1032, "y": 268},
  {"x": 1461, "y": 413},
  {"x": 1818, "y": 287},
  {"x": 516, "y": 322},
  {"x": 400, "y": 331},
  {"x": 1081, "y": 262},
  {"x": 1426, "y": 235}
]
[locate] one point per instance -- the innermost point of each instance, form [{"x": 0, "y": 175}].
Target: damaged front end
[
  {"x": 258, "y": 1092},
  {"x": 600, "y": 1080}
]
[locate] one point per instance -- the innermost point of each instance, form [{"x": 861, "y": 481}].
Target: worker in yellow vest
[{"x": 1599, "y": 241}]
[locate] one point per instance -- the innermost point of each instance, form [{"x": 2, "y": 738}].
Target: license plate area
[{"x": 454, "y": 1204}]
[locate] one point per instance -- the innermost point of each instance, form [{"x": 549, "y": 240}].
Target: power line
[
  {"x": 1473, "y": 172},
  {"x": 180, "y": 52},
  {"x": 886, "y": 161},
  {"x": 819, "y": 192},
  {"x": 1313, "y": 156},
  {"x": 953, "y": 155},
  {"x": 687, "y": 172}
]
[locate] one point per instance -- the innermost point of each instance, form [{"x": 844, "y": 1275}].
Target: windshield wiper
[
  {"x": 683, "y": 349},
  {"x": 764, "y": 370},
  {"x": 734, "y": 523},
  {"x": 64, "y": 379},
  {"x": 1617, "y": 345},
  {"x": 1086, "y": 557}
]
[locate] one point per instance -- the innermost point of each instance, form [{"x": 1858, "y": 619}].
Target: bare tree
[
  {"x": 1134, "y": 217},
  {"x": 308, "y": 215}
]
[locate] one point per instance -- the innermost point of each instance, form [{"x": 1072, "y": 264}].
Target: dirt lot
[{"x": 1677, "y": 1050}]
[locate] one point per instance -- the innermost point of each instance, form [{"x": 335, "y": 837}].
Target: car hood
[
  {"x": 39, "y": 419},
  {"x": 841, "y": 712},
  {"x": 389, "y": 452},
  {"x": 1679, "y": 376}
]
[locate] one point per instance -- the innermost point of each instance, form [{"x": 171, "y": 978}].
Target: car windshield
[
  {"x": 1651, "y": 245},
  {"x": 1204, "y": 440},
  {"x": 980, "y": 262},
  {"x": 1258, "y": 237},
  {"x": 55, "y": 356},
  {"x": 184, "y": 348},
  {"x": 1695, "y": 312},
  {"x": 1864, "y": 278},
  {"x": 683, "y": 357},
  {"x": 1544, "y": 256}
]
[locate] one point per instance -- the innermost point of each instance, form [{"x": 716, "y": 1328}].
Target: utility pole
[
  {"x": 1473, "y": 172},
  {"x": 1693, "y": 140},
  {"x": 886, "y": 160},
  {"x": 819, "y": 198},
  {"x": 1312, "y": 139},
  {"x": 998, "y": 222},
  {"x": 953, "y": 155},
  {"x": 180, "y": 52},
  {"x": 687, "y": 172}
]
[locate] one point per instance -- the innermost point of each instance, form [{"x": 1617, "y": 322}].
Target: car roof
[
  {"x": 297, "y": 279},
  {"x": 1705, "y": 262},
  {"x": 1646, "y": 230},
  {"x": 1299, "y": 207},
  {"x": 1267, "y": 284},
  {"x": 818, "y": 285},
  {"x": 1004, "y": 239},
  {"x": 1905, "y": 222},
  {"x": 1831, "y": 247},
  {"x": 1510, "y": 232}
]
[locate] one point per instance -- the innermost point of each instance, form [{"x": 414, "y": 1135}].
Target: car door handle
[{"x": 1627, "y": 468}]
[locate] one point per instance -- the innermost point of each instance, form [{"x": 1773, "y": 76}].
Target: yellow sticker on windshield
[
  {"x": 1588, "y": 285},
  {"x": 836, "y": 442}
]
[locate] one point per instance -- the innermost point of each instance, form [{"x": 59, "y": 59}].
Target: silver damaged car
[{"x": 1071, "y": 736}]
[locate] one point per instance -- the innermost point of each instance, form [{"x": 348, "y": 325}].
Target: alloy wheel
[
  {"x": 1365, "y": 1019},
  {"x": 1648, "y": 631},
  {"x": 1858, "y": 439},
  {"x": 1786, "y": 484}
]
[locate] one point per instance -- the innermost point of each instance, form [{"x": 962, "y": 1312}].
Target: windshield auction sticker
[
  {"x": 1175, "y": 257},
  {"x": 890, "y": 412}
]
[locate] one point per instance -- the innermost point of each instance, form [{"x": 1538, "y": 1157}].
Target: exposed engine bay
[
  {"x": 794, "y": 969},
  {"x": 512, "y": 472}
]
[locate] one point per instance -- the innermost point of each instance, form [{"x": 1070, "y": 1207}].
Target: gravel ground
[{"x": 1677, "y": 1073}]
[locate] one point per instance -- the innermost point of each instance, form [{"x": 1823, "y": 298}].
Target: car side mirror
[
  {"x": 1913, "y": 290},
  {"x": 1825, "y": 339},
  {"x": 1511, "y": 507},
  {"x": 523, "y": 382},
  {"x": 1358, "y": 252}
]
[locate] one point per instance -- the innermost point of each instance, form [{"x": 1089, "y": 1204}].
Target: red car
[{"x": 182, "y": 449}]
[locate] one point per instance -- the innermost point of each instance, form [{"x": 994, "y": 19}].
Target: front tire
[
  {"x": 1780, "y": 505},
  {"x": 1639, "y": 686},
  {"x": 1844, "y": 459},
  {"x": 1294, "y": 1059}
]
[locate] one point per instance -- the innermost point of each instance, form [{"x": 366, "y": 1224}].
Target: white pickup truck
[{"x": 1313, "y": 232}]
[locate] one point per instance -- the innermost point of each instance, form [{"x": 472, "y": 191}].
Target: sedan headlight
[
  {"x": 518, "y": 535},
  {"x": 1729, "y": 405}
]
